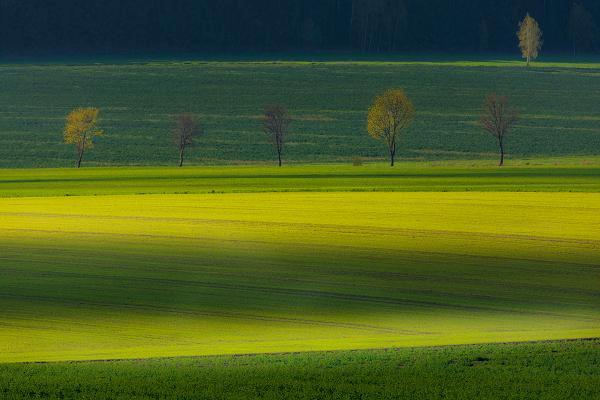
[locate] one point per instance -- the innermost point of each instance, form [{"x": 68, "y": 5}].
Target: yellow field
[{"x": 169, "y": 275}]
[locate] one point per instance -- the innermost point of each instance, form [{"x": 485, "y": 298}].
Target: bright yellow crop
[{"x": 147, "y": 276}]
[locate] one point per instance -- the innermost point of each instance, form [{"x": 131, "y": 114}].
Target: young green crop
[
  {"x": 329, "y": 102},
  {"x": 540, "y": 371},
  {"x": 532, "y": 175}
]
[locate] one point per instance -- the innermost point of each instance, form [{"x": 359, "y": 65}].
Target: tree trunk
[
  {"x": 81, "y": 150},
  {"x": 501, "y": 154},
  {"x": 80, "y": 158},
  {"x": 279, "y": 157},
  {"x": 181, "y": 158},
  {"x": 392, "y": 148},
  {"x": 528, "y": 61}
]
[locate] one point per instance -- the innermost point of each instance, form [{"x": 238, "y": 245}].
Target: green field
[
  {"x": 534, "y": 175},
  {"x": 320, "y": 279},
  {"x": 329, "y": 99},
  {"x": 541, "y": 371},
  {"x": 107, "y": 276}
]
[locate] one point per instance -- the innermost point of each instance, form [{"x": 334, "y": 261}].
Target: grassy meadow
[
  {"x": 329, "y": 100},
  {"x": 532, "y": 175},
  {"x": 321, "y": 279},
  {"x": 541, "y": 371}
]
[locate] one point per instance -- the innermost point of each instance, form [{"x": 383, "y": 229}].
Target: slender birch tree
[{"x": 530, "y": 38}]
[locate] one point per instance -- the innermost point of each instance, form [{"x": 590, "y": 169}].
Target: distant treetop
[{"x": 110, "y": 26}]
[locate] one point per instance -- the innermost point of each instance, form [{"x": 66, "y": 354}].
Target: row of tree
[
  {"x": 109, "y": 26},
  {"x": 390, "y": 115},
  {"x": 393, "y": 112}
]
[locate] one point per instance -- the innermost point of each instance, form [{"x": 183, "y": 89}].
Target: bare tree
[
  {"x": 498, "y": 118},
  {"x": 186, "y": 128},
  {"x": 276, "y": 122}
]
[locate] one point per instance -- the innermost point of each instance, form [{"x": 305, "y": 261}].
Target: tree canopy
[
  {"x": 530, "y": 38},
  {"x": 185, "y": 129},
  {"x": 276, "y": 121},
  {"x": 80, "y": 130},
  {"x": 391, "y": 113},
  {"x": 113, "y": 26},
  {"x": 583, "y": 30},
  {"x": 498, "y": 118}
]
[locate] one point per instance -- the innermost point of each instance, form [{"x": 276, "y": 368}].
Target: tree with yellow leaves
[
  {"x": 530, "y": 38},
  {"x": 391, "y": 113},
  {"x": 80, "y": 130}
]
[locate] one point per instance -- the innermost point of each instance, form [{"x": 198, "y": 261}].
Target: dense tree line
[{"x": 111, "y": 26}]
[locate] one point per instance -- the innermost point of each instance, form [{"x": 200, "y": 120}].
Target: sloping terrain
[{"x": 103, "y": 277}]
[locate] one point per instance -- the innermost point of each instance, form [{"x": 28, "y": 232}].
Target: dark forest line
[{"x": 374, "y": 26}]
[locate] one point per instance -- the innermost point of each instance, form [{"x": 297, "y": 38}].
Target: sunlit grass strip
[{"x": 535, "y": 175}]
